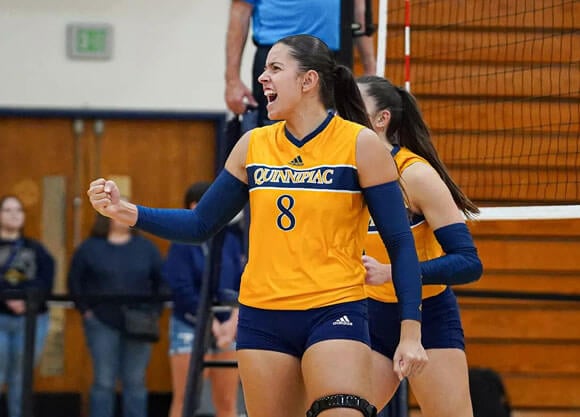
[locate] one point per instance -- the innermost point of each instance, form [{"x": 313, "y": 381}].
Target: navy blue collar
[
  {"x": 395, "y": 150},
  {"x": 310, "y": 136}
]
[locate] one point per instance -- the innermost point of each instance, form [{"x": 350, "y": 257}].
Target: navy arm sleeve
[
  {"x": 220, "y": 203},
  {"x": 388, "y": 211},
  {"x": 460, "y": 264}
]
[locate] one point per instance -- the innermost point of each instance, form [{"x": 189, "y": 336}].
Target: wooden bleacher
[
  {"x": 535, "y": 345},
  {"x": 494, "y": 81}
]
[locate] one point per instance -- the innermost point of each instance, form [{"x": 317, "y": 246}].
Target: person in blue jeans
[
  {"x": 183, "y": 270},
  {"x": 24, "y": 263},
  {"x": 114, "y": 260}
]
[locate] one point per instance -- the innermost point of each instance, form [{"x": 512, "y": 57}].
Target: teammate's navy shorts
[
  {"x": 294, "y": 331},
  {"x": 440, "y": 326}
]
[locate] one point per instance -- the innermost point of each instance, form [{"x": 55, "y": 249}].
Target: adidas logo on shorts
[{"x": 343, "y": 321}]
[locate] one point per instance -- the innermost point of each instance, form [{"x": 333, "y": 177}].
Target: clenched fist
[{"x": 105, "y": 198}]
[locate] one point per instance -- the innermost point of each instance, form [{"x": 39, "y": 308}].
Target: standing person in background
[
  {"x": 273, "y": 20},
  {"x": 183, "y": 270},
  {"x": 115, "y": 260},
  {"x": 24, "y": 263},
  {"x": 448, "y": 256},
  {"x": 311, "y": 180}
]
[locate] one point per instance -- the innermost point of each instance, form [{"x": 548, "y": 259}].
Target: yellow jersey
[
  {"x": 425, "y": 241},
  {"x": 308, "y": 218}
]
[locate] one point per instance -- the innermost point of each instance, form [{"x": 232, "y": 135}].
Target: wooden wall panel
[
  {"x": 546, "y": 228},
  {"x": 509, "y": 30},
  {"x": 498, "y": 84},
  {"x": 534, "y": 345},
  {"x": 160, "y": 157},
  {"x": 543, "y": 392},
  {"x": 518, "y": 187},
  {"x": 455, "y": 45},
  {"x": 544, "y": 322},
  {"x": 29, "y": 150},
  {"x": 482, "y": 115},
  {"x": 488, "y": 79},
  {"x": 500, "y": 68},
  {"x": 549, "y": 246},
  {"x": 490, "y": 14},
  {"x": 526, "y": 358},
  {"x": 518, "y": 151},
  {"x": 530, "y": 281},
  {"x": 530, "y": 254}
]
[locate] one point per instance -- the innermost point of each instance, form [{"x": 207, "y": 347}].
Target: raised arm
[
  {"x": 224, "y": 199},
  {"x": 237, "y": 35}
]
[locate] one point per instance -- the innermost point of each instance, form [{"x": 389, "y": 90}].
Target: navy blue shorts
[
  {"x": 294, "y": 331},
  {"x": 440, "y": 327}
]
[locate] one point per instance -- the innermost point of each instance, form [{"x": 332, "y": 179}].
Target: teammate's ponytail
[{"x": 408, "y": 128}]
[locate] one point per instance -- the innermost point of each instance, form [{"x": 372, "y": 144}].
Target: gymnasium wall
[{"x": 155, "y": 65}]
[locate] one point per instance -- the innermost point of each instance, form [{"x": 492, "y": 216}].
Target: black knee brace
[{"x": 342, "y": 401}]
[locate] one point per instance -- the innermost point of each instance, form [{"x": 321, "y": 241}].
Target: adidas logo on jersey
[
  {"x": 297, "y": 161},
  {"x": 343, "y": 321}
]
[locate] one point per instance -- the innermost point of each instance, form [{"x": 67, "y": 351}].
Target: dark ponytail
[
  {"x": 407, "y": 128},
  {"x": 347, "y": 98}
]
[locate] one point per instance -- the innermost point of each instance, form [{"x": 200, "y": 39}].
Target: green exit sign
[{"x": 89, "y": 41}]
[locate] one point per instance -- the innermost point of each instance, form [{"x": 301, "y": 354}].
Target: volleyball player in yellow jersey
[
  {"x": 303, "y": 341},
  {"x": 446, "y": 251}
]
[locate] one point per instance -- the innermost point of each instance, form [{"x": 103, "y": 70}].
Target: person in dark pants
[{"x": 115, "y": 260}]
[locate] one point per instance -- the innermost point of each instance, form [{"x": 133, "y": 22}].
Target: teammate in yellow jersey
[
  {"x": 303, "y": 344},
  {"x": 436, "y": 208}
]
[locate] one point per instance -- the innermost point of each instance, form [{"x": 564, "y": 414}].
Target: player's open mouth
[{"x": 271, "y": 97}]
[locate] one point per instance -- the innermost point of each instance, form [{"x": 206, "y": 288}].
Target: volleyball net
[{"x": 499, "y": 84}]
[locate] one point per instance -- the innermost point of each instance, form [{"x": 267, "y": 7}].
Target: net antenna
[
  {"x": 382, "y": 34},
  {"x": 382, "y": 37},
  {"x": 408, "y": 45}
]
